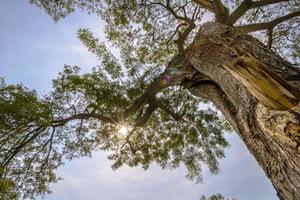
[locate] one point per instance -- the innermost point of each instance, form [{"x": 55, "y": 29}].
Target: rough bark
[{"x": 258, "y": 92}]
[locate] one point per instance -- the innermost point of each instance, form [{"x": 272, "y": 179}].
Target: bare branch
[
  {"x": 247, "y": 5},
  {"x": 168, "y": 111},
  {"x": 188, "y": 22},
  {"x": 18, "y": 148},
  {"x": 261, "y": 3},
  {"x": 268, "y": 25},
  {"x": 143, "y": 120},
  {"x": 270, "y": 38},
  {"x": 168, "y": 7},
  {"x": 207, "y": 4},
  {"x": 239, "y": 12}
]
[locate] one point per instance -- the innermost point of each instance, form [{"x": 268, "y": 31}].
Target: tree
[
  {"x": 171, "y": 61},
  {"x": 213, "y": 197}
]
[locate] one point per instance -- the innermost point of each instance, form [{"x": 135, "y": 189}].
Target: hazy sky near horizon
[{"x": 34, "y": 49}]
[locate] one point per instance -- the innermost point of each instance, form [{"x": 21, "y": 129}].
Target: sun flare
[{"x": 123, "y": 130}]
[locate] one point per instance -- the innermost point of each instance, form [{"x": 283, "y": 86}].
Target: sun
[{"x": 123, "y": 130}]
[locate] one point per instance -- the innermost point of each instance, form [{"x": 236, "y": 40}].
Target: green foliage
[
  {"x": 25, "y": 121},
  {"x": 142, "y": 24},
  {"x": 169, "y": 143},
  {"x": 35, "y": 134},
  {"x": 109, "y": 62},
  {"x": 217, "y": 196},
  {"x": 19, "y": 105},
  {"x": 7, "y": 187},
  {"x": 47, "y": 138},
  {"x": 197, "y": 139},
  {"x": 213, "y": 197},
  {"x": 59, "y": 9}
]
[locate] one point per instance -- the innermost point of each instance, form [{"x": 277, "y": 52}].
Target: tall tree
[{"x": 146, "y": 106}]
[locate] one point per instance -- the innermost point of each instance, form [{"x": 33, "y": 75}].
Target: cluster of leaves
[
  {"x": 26, "y": 153},
  {"x": 7, "y": 187},
  {"x": 59, "y": 9},
  {"x": 83, "y": 113},
  {"x": 217, "y": 196},
  {"x": 196, "y": 138},
  {"x": 147, "y": 29},
  {"x": 213, "y": 197}
]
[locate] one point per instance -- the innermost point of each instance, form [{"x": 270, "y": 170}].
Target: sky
[{"x": 34, "y": 49}]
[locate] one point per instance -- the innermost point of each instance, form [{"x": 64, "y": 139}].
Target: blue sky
[{"x": 33, "y": 51}]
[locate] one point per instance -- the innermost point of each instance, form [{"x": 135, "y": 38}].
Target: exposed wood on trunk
[{"x": 263, "y": 84}]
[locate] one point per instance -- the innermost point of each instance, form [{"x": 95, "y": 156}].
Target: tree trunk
[{"x": 259, "y": 93}]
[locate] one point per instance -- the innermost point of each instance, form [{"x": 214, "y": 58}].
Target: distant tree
[
  {"x": 213, "y": 197},
  {"x": 145, "y": 107},
  {"x": 217, "y": 196}
]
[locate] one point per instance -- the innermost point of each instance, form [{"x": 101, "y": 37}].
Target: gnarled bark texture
[{"x": 259, "y": 93}]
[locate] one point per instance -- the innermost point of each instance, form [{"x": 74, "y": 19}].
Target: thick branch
[
  {"x": 270, "y": 38},
  {"x": 268, "y": 25},
  {"x": 143, "y": 120},
  {"x": 168, "y": 111},
  {"x": 247, "y": 5},
  {"x": 239, "y": 12},
  {"x": 182, "y": 36},
  {"x": 207, "y": 4},
  {"x": 177, "y": 71},
  {"x": 221, "y": 11},
  {"x": 151, "y": 91}
]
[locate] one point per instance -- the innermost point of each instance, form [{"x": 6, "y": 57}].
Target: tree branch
[
  {"x": 188, "y": 22},
  {"x": 62, "y": 122},
  {"x": 207, "y": 4},
  {"x": 143, "y": 120},
  {"x": 167, "y": 110},
  {"x": 221, "y": 11},
  {"x": 268, "y": 25},
  {"x": 182, "y": 36},
  {"x": 247, "y": 5},
  {"x": 150, "y": 92},
  {"x": 270, "y": 38},
  {"x": 239, "y": 12},
  {"x": 18, "y": 148}
]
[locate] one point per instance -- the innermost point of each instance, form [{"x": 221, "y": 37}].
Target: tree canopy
[{"x": 142, "y": 91}]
